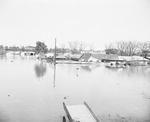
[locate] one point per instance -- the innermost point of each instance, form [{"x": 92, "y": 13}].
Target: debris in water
[
  {"x": 66, "y": 97},
  {"x": 64, "y": 119}
]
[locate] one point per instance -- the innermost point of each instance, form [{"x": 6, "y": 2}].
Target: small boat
[{"x": 80, "y": 113}]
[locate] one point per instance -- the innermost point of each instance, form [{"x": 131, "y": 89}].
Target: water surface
[{"x": 33, "y": 90}]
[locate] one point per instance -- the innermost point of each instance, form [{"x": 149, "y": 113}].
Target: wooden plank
[
  {"x": 80, "y": 113},
  {"x": 93, "y": 114},
  {"x": 64, "y": 119},
  {"x": 67, "y": 112}
]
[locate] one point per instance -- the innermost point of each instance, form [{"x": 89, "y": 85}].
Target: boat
[{"x": 79, "y": 113}]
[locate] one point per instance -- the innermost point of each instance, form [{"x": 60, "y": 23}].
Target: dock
[{"x": 80, "y": 113}]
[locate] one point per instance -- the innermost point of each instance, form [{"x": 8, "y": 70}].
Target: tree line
[
  {"x": 75, "y": 47},
  {"x": 123, "y": 48},
  {"x": 128, "y": 48},
  {"x": 13, "y": 48}
]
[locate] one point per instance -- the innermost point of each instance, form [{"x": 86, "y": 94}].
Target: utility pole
[
  {"x": 55, "y": 53},
  {"x": 54, "y": 64}
]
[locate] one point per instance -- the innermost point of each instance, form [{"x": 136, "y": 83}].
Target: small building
[
  {"x": 61, "y": 57},
  {"x": 30, "y": 48},
  {"x": 49, "y": 55},
  {"x": 109, "y": 57},
  {"x": 135, "y": 60},
  {"x": 88, "y": 57},
  {"x": 129, "y": 58},
  {"x": 93, "y": 59}
]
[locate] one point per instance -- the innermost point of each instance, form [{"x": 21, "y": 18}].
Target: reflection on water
[
  {"x": 86, "y": 68},
  {"x": 40, "y": 69},
  {"x": 132, "y": 70},
  {"x": 89, "y": 68},
  {"x": 114, "y": 94},
  {"x": 138, "y": 71},
  {"x": 54, "y": 75},
  {"x": 3, "y": 57}
]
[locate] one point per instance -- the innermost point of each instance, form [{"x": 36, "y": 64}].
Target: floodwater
[{"x": 33, "y": 91}]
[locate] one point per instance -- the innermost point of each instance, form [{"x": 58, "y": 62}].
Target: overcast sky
[{"x": 97, "y": 22}]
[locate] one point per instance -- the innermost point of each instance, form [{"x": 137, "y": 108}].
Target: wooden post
[
  {"x": 64, "y": 119},
  {"x": 93, "y": 114},
  {"x": 67, "y": 112}
]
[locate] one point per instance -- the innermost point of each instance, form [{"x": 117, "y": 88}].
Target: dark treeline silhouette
[
  {"x": 73, "y": 47},
  {"x": 17, "y": 48}
]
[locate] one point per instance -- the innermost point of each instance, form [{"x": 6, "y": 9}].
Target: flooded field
[{"x": 33, "y": 91}]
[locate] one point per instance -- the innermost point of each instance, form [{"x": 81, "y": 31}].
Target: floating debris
[
  {"x": 66, "y": 97},
  {"x": 64, "y": 119}
]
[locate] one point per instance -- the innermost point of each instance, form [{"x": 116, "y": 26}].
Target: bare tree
[
  {"x": 91, "y": 47},
  {"x": 63, "y": 47},
  {"x": 144, "y": 48},
  {"x": 73, "y": 46},
  {"x": 82, "y": 46},
  {"x": 111, "y": 49},
  {"x": 132, "y": 48},
  {"x": 109, "y": 46},
  {"x": 76, "y": 46},
  {"x": 127, "y": 48},
  {"x": 121, "y": 46}
]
